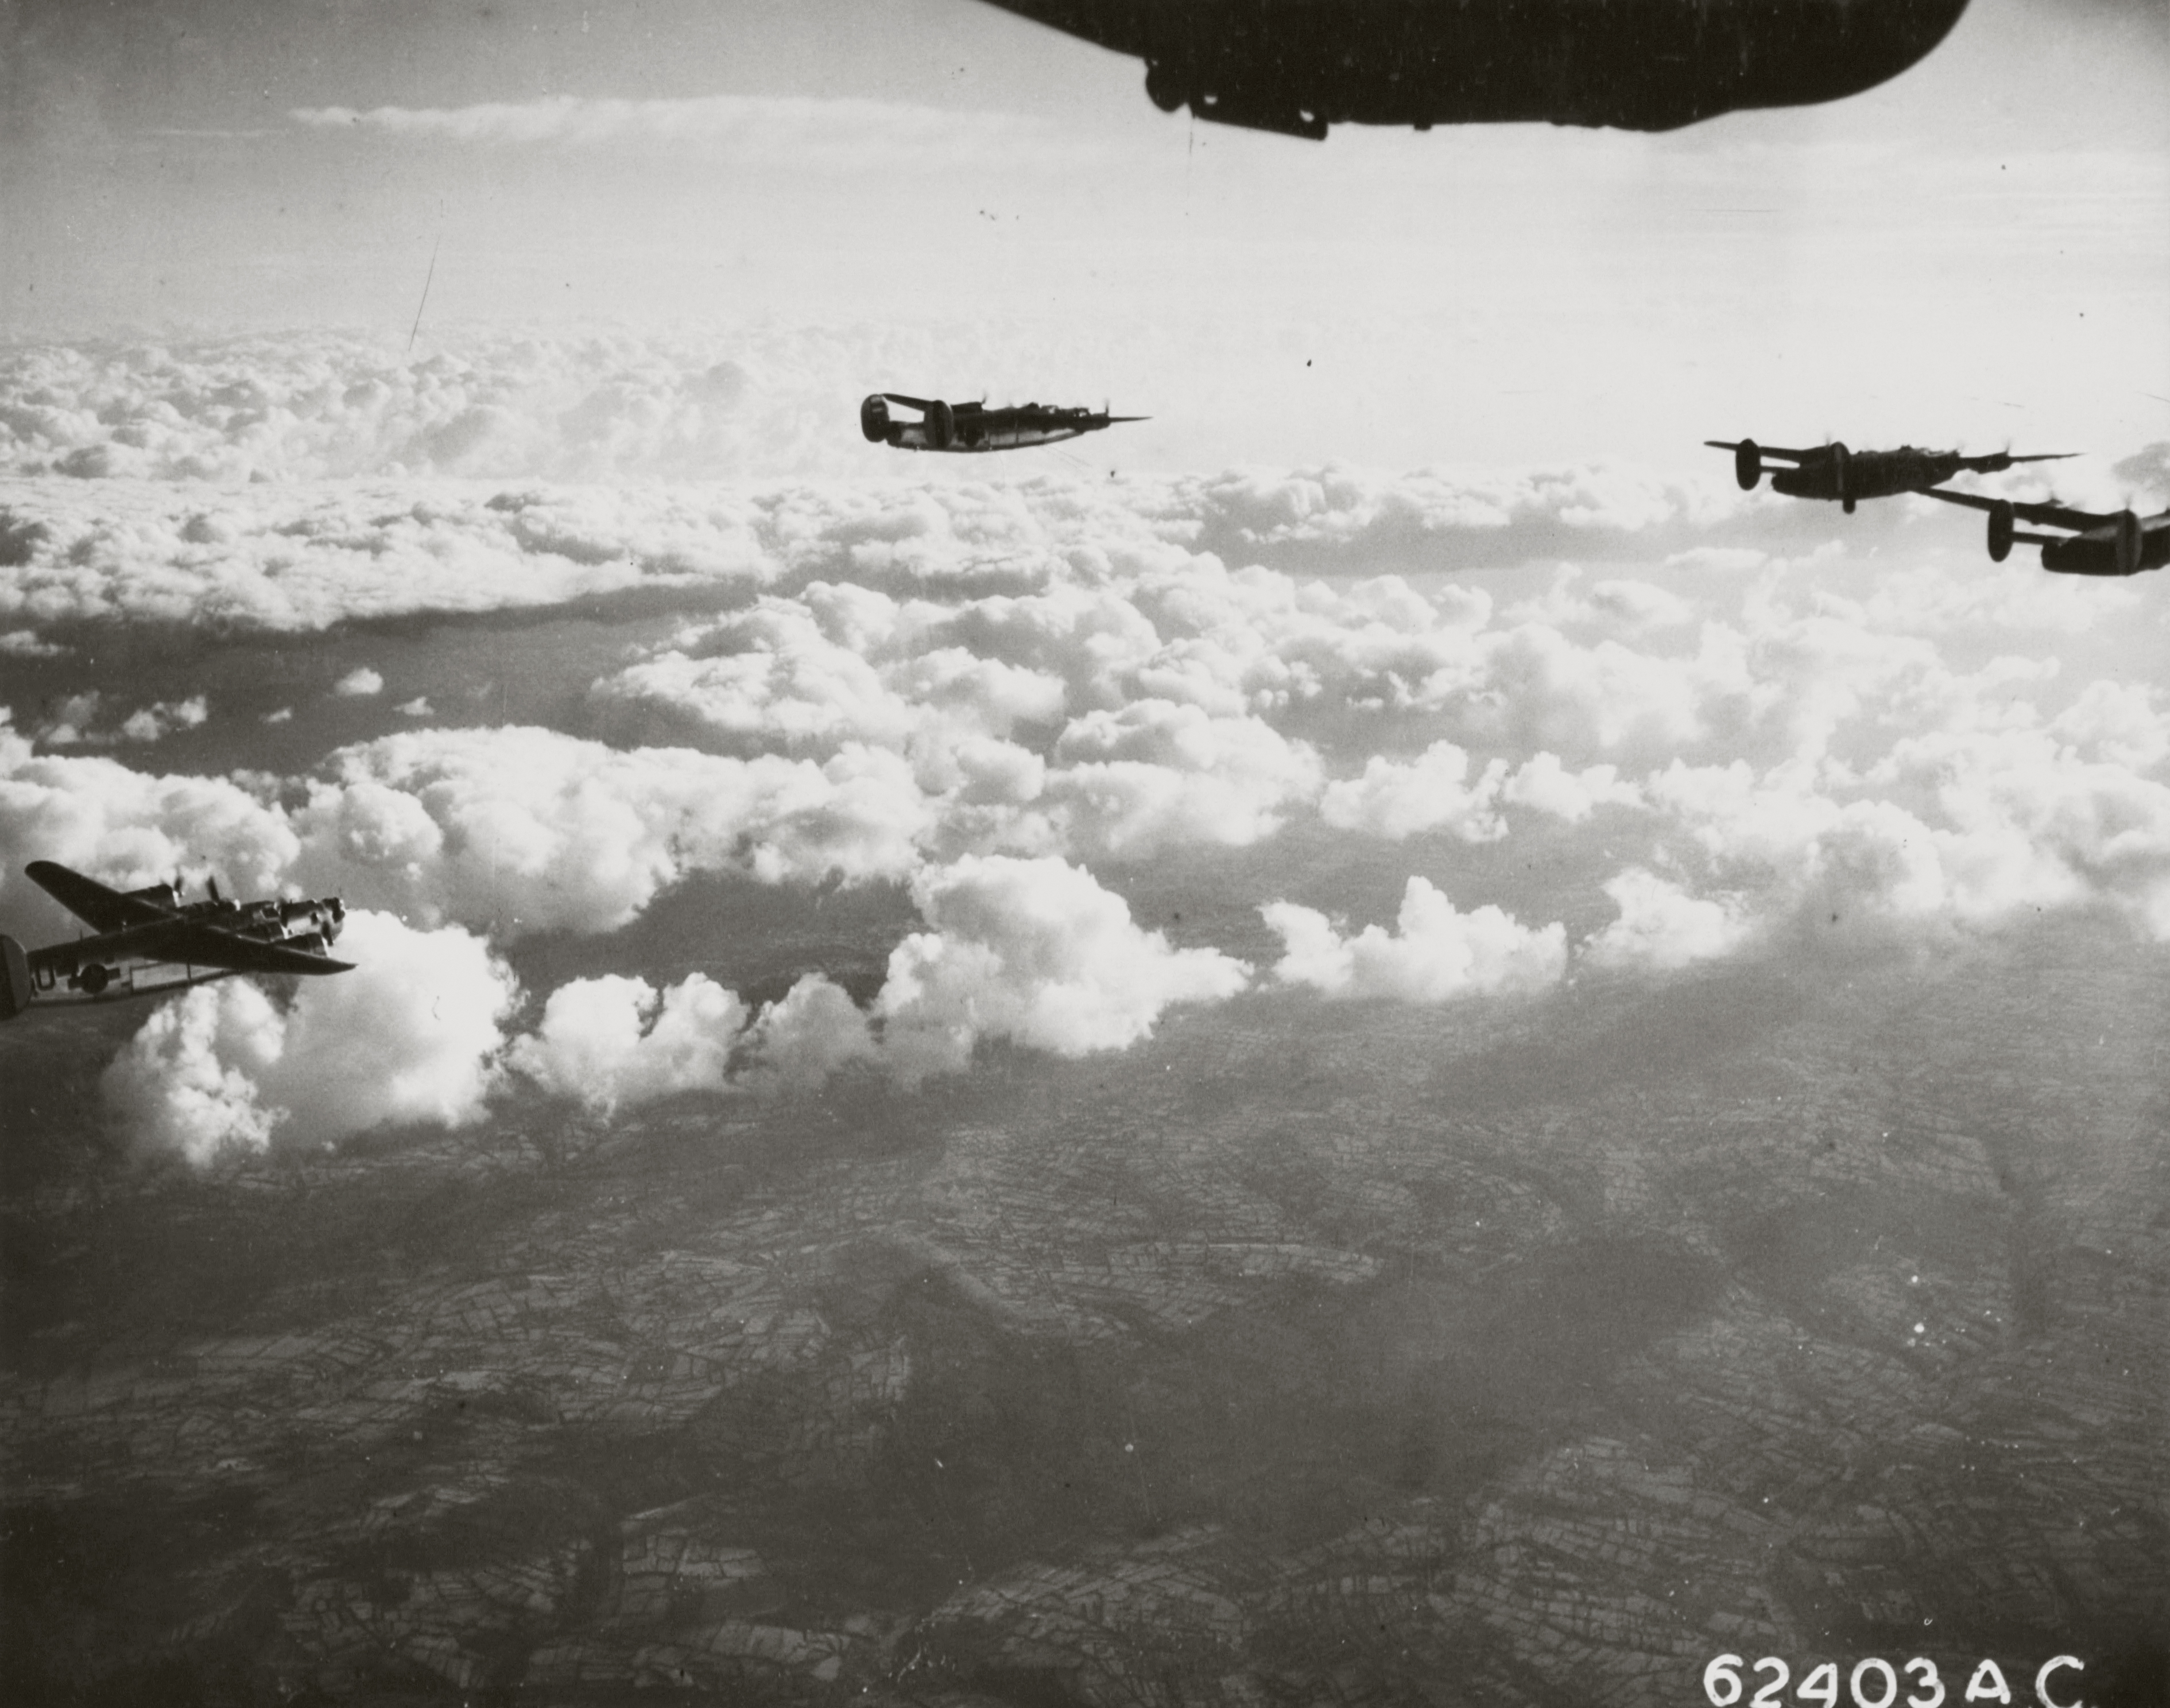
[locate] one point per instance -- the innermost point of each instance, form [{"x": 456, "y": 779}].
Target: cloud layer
[
  {"x": 1033, "y": 952},
  {"x": 1436, "y": 954},
  {"x": 1747, "y": 721},
  {"x": 1027, "y": 952},
  {"x": 738, "y": 129},
  {"x": 933, "y": 675}
]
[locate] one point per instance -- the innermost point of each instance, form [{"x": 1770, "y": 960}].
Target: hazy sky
[{"x": 1975, "y": 251}]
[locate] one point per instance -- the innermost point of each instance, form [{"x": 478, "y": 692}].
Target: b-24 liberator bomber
[
  {"x": 2095, "y": 543},
  {"x": 1835, "y": 474},
  {"x": 1300, "y": 65},
  {"x": 975, "y": 427},
  {"x": 148, "y": 942}
]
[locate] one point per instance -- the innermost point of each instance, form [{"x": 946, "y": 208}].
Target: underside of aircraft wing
[
  {"x": 1301, "y": 66},
  {"x": 2055, "y": 515},
  {"x": 90, "y": 901}
]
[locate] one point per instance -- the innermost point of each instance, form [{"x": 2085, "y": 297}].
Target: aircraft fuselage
[
  {"x": 973, "y": 427},
  {"x": 994, "y": 429},
  {"x": 2095, "y": 551},
  {"x": 1866, "y": 474}
]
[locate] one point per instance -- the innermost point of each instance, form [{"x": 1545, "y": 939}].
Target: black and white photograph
[{"x": 1085, "y": 853}]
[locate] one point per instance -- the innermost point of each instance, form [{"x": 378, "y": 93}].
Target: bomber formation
[
  {"x": 2119, "y": 542},
  {"x": 1297, "y": 69},
  {"x": 2091, "y": 543},
  {"x": 149, "y": 942}
]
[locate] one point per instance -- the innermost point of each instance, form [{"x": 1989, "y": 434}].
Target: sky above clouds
[{"x": 1416, "y": 629}]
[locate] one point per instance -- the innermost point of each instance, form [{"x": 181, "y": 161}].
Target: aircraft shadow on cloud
[
  {"x": 1837, "y": 475},
  {"x": 1300, "y": 65},
  {"x": 2095, "y": 543},
  {"x": 973, "y": 427},
  {"x": 148, "y": 942}
]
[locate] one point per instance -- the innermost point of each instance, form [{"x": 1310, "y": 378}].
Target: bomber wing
[
  {"x": 90, "y": 901},
  {"x": 2055, "y": 515},
  {"x": 206, "y": 945}
]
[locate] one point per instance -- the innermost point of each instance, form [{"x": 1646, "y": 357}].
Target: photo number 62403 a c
[{"x": 1876, "y": 1682}]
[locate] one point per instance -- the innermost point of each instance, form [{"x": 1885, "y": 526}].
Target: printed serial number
[{"x": 1875, "y": 1683}]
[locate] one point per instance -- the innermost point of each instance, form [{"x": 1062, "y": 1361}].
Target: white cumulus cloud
[
  {"x": 617, "y": 1040},
  {"x": 1036, "y": 952},
  {"x": 410, "y": 1035},
  {"x": 527, "y": 830},
  {"x": 1662, "y": 926},
  {"x": 1433, "y": 792},
  {"x": 1435, "y": 954},
  {"x": 129, "y": 828}
]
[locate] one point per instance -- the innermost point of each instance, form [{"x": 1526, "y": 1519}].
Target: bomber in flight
[
  {"x": 1300, "y": 65},
  {"x": 148, "y": 942},
  {"x": 1832, "y": 472},
  {"x": 2095, "y": 543},
  {"x": 975, "y": 427}
]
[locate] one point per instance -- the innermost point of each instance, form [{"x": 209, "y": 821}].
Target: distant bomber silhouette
[{"x": 970, "y": 427}]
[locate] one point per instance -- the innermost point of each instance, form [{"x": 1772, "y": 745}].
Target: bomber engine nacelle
[
  {"x": 1747, "y": 464},
  {"x": 323, "y": 918},
  {"x": 2129, "y": 542},
  {"x": 1167, "y": 85},
  {"x": 941, "y": 425},
  {"x": 2002, "y": 522},
  {"x": 873, "y": 419},
  {"x": 14, "y": 978}
]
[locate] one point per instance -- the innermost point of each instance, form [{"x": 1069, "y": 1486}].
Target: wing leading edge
[
  {"x": 2055, "y": 515},
  {"x": 90, "y": 901}
]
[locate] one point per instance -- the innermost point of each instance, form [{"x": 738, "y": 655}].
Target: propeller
[{"x": 2129, "y": 540}]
